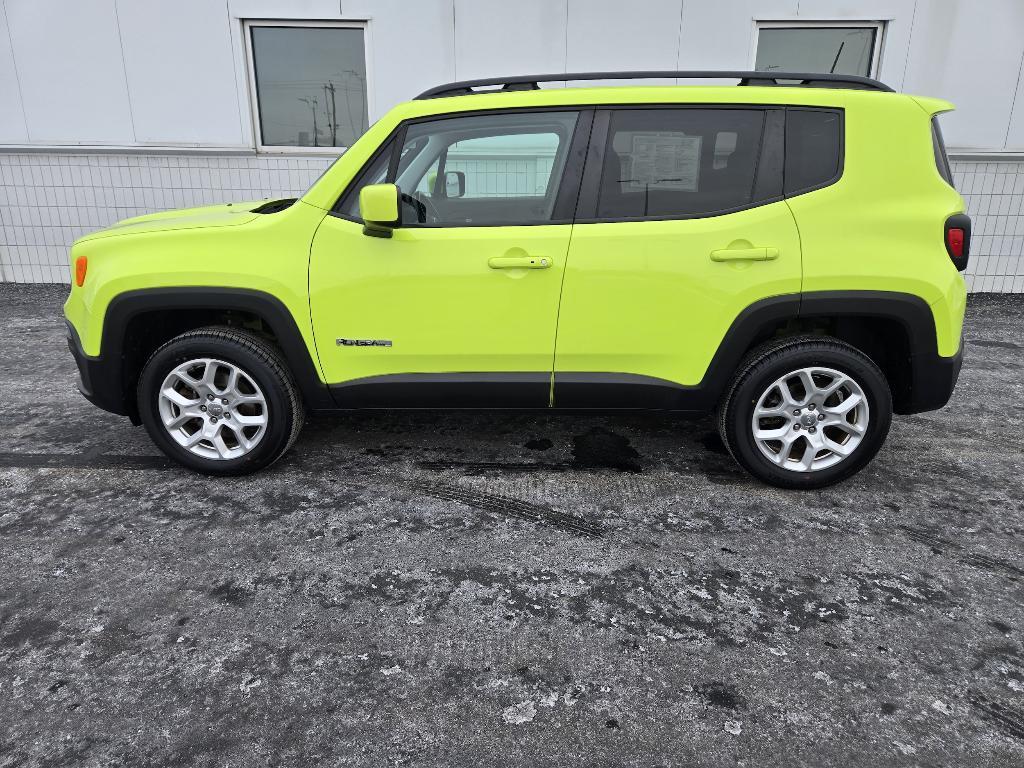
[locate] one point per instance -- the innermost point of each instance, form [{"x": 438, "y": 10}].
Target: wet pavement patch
[
  {"x": 600, "y": 448},
  {"x": 719, "y": 694}
]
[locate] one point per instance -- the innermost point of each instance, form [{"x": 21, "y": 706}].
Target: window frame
[
  {"x": 773, "y": 137},
  {"x": 566, "y": 196},
  {"x": 250, "y": 76},
  {"x": 876, "y": 48},
  {"x": 941, "y": 155}
]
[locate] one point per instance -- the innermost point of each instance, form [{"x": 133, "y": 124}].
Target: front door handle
[
  {"x": 519, "y": 262},
  {"x": 745, "y": 254}
]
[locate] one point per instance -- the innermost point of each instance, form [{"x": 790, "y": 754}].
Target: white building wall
[{"x": 113, "y": 108}]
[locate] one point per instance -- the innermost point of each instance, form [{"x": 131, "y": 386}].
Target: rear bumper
[
  {"x": 96, "y": 381},
  {"x": 935, "y": 378}
]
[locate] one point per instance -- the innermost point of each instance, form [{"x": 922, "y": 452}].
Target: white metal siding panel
[
  {"x": 70, "y": 69},
  {"x": 181, "y": 75},
  {"x": 12, "y": 117}
]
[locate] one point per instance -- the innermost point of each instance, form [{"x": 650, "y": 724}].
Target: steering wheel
[{"x": 426, "y": 213}]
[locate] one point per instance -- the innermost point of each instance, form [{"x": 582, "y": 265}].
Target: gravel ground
[{"x": 489, "y": 589}]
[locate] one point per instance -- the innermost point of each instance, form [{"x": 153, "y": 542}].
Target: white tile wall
[
  {"x": 47, "y": 200},
  {"x": 994, "y": 193}
]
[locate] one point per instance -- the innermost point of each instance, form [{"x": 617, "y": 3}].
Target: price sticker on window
[{"x": 664, "y": 160}]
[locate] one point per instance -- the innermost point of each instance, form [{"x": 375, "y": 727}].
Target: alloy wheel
[
  {"x": 213, "y": 409},
  {"x": 810, "y": 419}
]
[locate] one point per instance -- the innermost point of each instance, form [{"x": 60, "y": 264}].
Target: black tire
[
  {"x": 260, "y": 361},
  {"x": 774, "y": 360}
]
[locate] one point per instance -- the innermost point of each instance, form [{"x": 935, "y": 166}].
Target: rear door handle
[
  {"x": 745, "y": 254},
  {"x": 519, "y": 262}
]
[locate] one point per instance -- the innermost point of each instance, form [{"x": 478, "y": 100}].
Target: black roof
[{"x": 532, "y": 82}]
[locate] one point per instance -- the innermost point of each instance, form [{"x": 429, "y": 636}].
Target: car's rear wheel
[
  {"x": 806, "y": 412},
  {"x": 220, "y": 401}
]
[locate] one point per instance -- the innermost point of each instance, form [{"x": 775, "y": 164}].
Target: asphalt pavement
[{"x": 461, "y": 589}]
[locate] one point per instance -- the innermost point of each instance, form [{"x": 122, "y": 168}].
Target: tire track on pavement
[{"x": 512, "y": 507}]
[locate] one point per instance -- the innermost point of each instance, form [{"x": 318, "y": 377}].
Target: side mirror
[
  {"x": 454, "y": 184},
  {"x": 380, "y": 209}
]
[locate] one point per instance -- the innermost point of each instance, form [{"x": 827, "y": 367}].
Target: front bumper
[{"x": 97, "y": 382}]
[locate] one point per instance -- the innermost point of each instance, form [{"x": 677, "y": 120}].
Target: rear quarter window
[{"x": 814, "y": 149}]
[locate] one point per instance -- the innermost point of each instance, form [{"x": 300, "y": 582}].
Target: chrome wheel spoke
[
  {"x": 184, "y": 417},
  {"x": 222, "y": 448},
  {"x": 198, "y": 423},
  {"x": 179, "y": 399},
  {"x": 232, "y": 386},
  {"x": 815, "y": 430},
  {"x": 209, "y": 373},
  {"x": 806, "y": 461},
  {"x": 829, "y": 389},
  {"x": 249, "y": 421},
  {"x": 765, "y": 411},
  {"x": 246, "y": 399},
  {"x": 843, "y": 449},
  {"x": 780, "y": 433},
  {"x": 193, "y": 439},
  {"x": 848, "y": 404},
  {"x": 787, "y": 394}
]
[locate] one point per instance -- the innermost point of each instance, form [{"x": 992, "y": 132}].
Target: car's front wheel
[
  {"x": 806, "y": 412},
  {"x": 220, "y": 401}
]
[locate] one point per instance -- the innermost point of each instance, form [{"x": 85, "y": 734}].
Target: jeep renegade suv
[{"x": 786, "y": 252}]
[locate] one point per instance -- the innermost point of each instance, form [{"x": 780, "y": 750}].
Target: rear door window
[
  {"x": 814, "y": 143},
  {"x": 679, "y": 162}
]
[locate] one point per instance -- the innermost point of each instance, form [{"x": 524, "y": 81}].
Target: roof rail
[{"x": 532, "y": 82}]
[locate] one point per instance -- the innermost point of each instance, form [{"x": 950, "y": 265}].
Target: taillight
[
  {"x": 955, "y": 242},
  {"x": 958, "y": 239},
  {"x": 81, "y": 265}
]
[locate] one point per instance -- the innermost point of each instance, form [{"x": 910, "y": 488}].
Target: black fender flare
[{"x": 128, "y": 305}]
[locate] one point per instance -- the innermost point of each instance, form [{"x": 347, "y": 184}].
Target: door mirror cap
[
  {"x": 454, "y": 184},
  {"x": 380, "y": 209}
]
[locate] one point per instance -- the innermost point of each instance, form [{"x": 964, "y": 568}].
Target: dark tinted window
[
  {"x": 679, "y": 162},
  {"x": 941, "y": 159},
  {"x": 813, "y": 148}
]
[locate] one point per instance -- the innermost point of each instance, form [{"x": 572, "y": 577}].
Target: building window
[
  {"x": 841, "y": 48},
  {"x": 308, "y": 84}
]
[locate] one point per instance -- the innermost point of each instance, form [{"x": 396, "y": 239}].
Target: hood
[{"x": 222, "y": 215}]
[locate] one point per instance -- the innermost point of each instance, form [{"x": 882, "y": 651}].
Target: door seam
[{"x": 568, "y": 250}]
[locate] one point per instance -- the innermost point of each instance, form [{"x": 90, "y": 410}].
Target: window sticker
[{"x": 664, "y": 160}]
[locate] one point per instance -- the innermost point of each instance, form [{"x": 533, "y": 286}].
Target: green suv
[{"x": 786, "y": 252}]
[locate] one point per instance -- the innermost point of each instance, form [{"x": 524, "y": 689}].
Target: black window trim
[
  {"x": 840, "y": 168},
  {"x": 941, "y": 155},
  {"x": 772, "y": 133},
  {"x": 569, "y": 184}
]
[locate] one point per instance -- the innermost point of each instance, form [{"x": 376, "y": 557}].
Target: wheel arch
[
  {"x": 137, "y": 322},
  {"x": 896, "y": 330}
]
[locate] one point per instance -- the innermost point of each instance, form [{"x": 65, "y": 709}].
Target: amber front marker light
[{"x": 81, "y": 265}]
